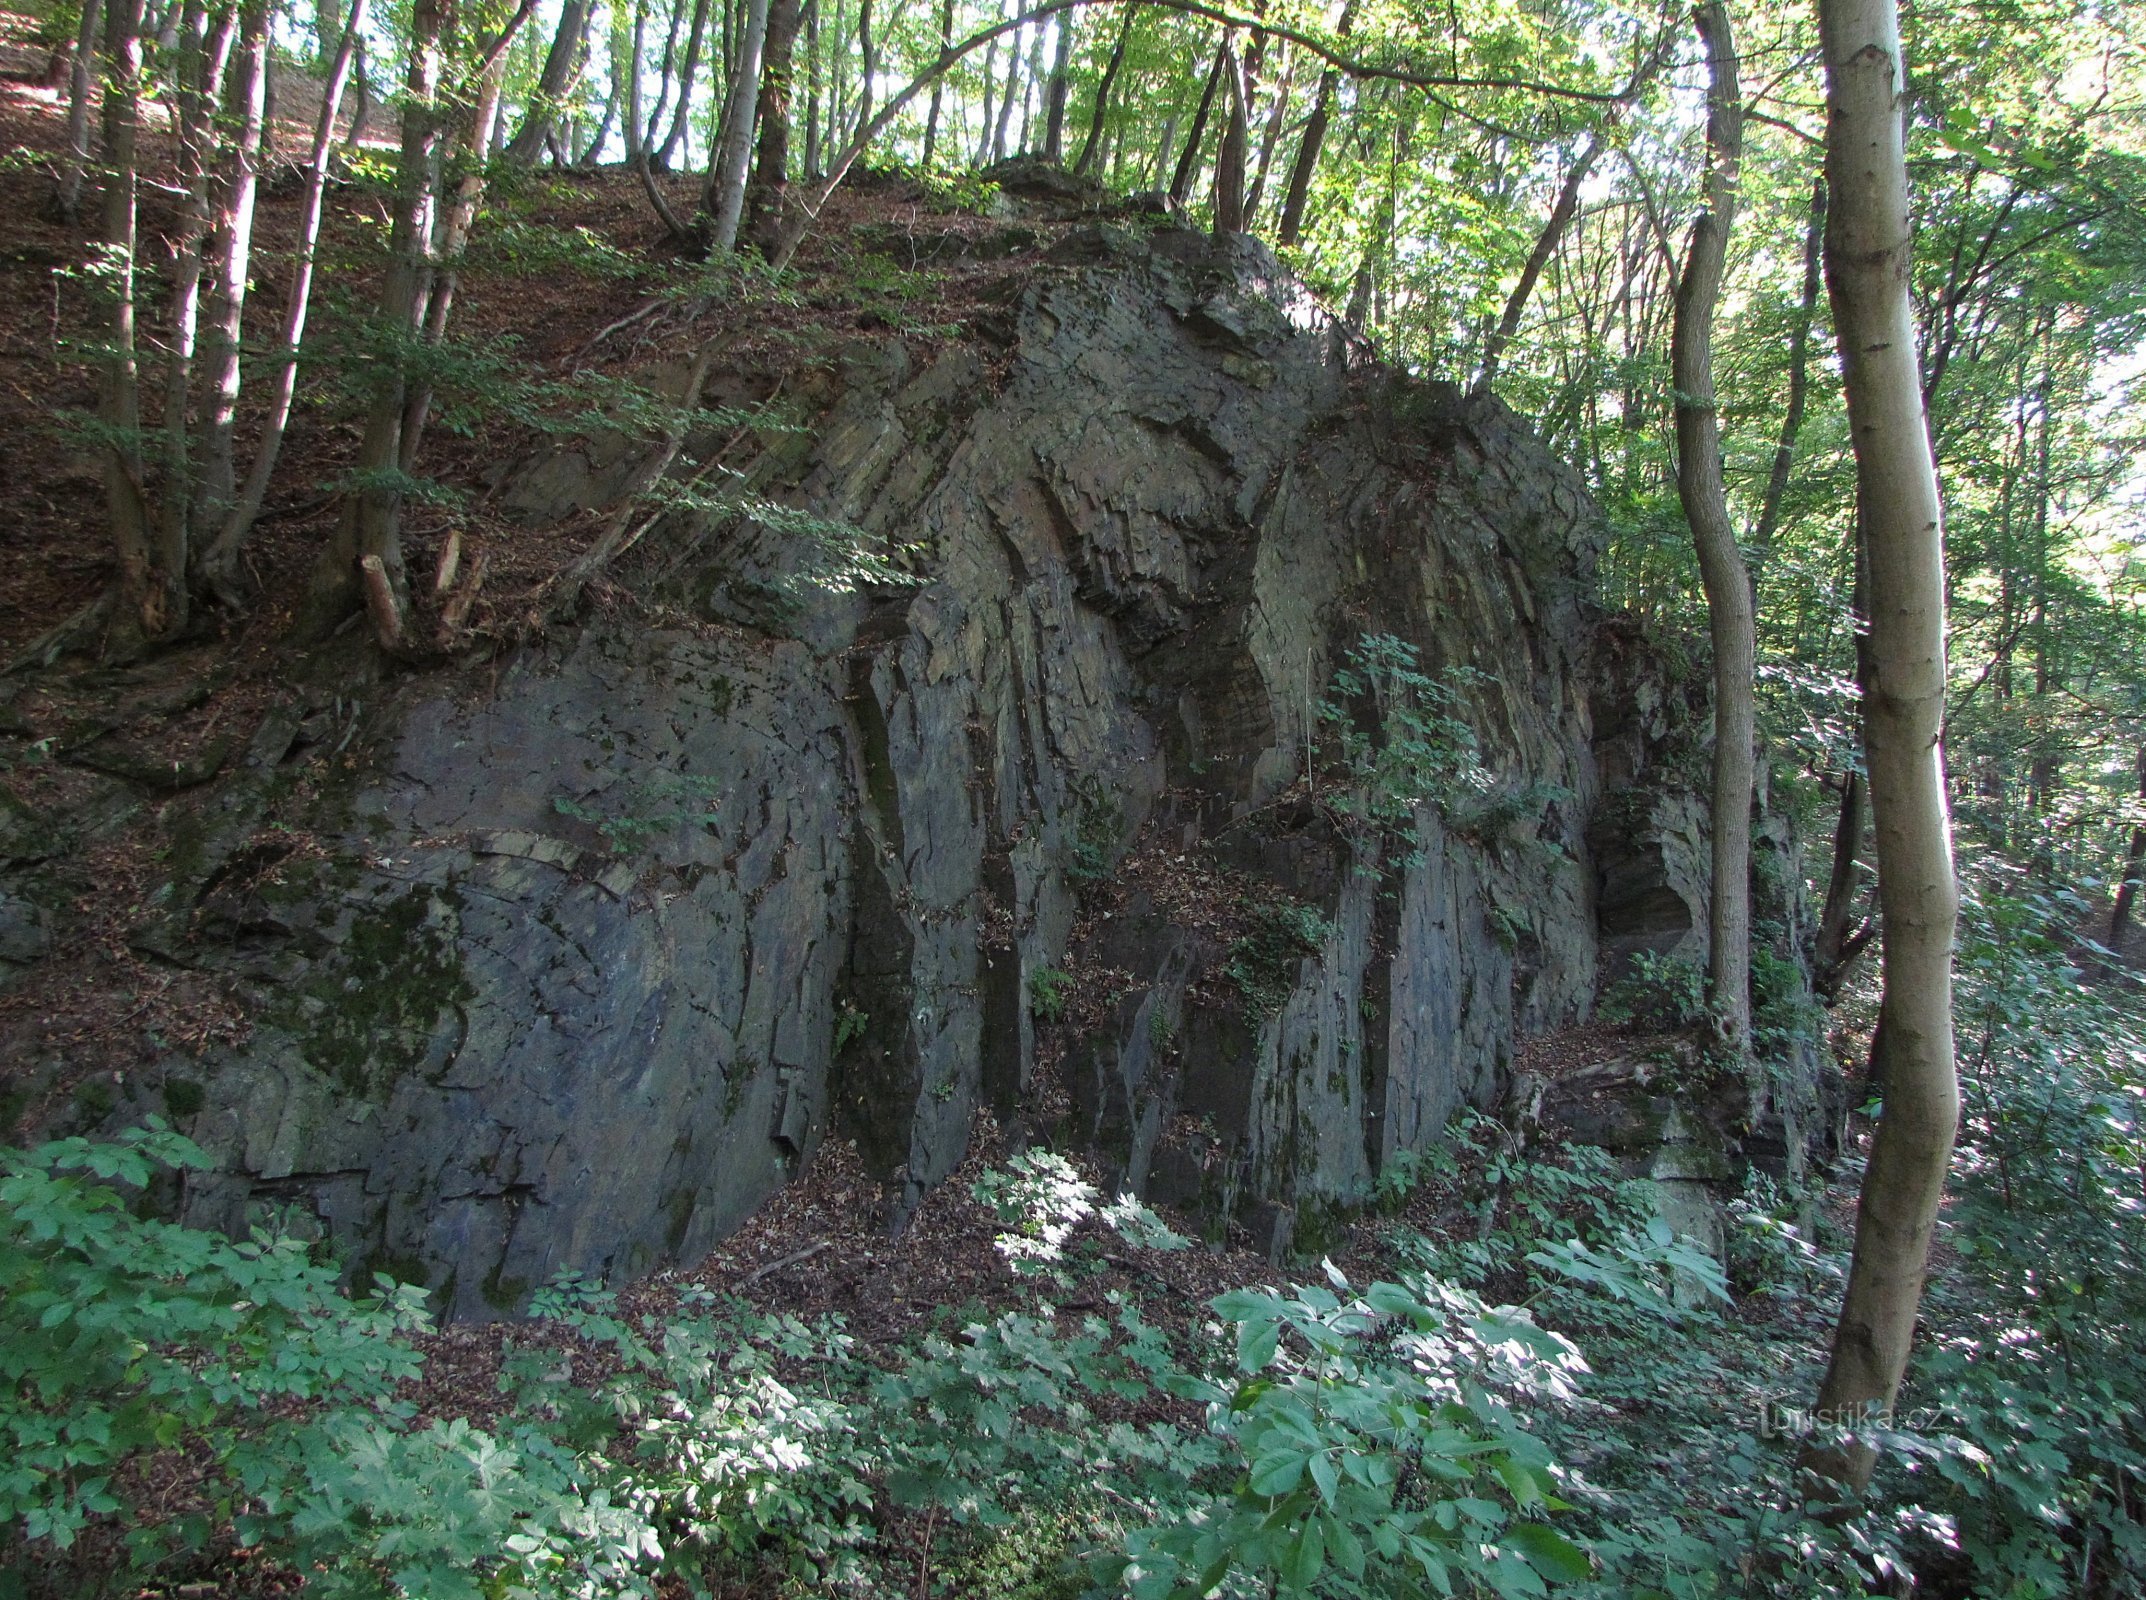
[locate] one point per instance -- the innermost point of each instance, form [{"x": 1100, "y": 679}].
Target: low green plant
[
  {"x": 1375, "y": 1448},
  {"x": 1661, "y": 991},
  {"x": 1263, "y": 962},
  {"x": 121, "y": 1337},
  {"x": 1049, "y": 988},
  {"x": 1401, "y": 738}
]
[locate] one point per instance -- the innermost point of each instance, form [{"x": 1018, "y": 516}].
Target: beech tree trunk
[
  {"x": 200, "y": 69},
  {"x": 1054, "y": 98},
  {"x": 677, "y": 139},
  {"x": 218, "y": 565},
  {"x": 2127, "y": 887},
  {"x": 1270, "y": 141},
  {"x": 1799, "y": 375},
  {"x": 1314, "y": 137},
  {"x": 1546, "y": 242},
  {"x": 554, "y": 83},
  {"x": 724, "y": 198},
  {"x": 75, "y": 163},
  {"x": 1721, "y": 564},
  {"x": 938, "y": 88},
  {"x": 369, "y": 530},
  {"x": 1005, "y": 104},
  {"x": 246, "y": 115},
  {"x": 1102, "y": 92},
  {"x": 1188, "y": 162},
  {"x": 769, "y": 193},
  {"x": 1230, "y": 157},
  {"x": 1867, "y": 255},
  {"x": 145, "y": 594}
]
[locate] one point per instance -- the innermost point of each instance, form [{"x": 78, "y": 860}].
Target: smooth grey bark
[
  {"x": 366, "y": 547},
  {"x": 555, "y": 83},
  {"x": 1005, "y": 104},
  {"x": 1054, "y": 96},
  {"x": 938, "y": 87},
  {"x": 146, "y": 595},
  {"x": 688, "y": 77},
  {"x": 1546, "y": 243},
  {"x": 1188, "y": 161},
  {"x": 1721, "y": 564},
  {"x": 1102, "y": 91},
  {"x": 724, "y": 199},
  {"x": 74, "y": 165},
  {"x": 1868, "y": 251},
  {"x": 246, "y": 116},
  {"x": 1309, "y": 144},
  {"x": 2127, "y": 886},
  {"x": 218, "y": 565},
  {"x": 1230, "y": 157},
  {"x": 1799, "y": 384},
  {"x": 769, "y": 194}
]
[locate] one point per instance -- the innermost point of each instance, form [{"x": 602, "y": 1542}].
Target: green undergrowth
[{"x": 1531, "y": 1386}]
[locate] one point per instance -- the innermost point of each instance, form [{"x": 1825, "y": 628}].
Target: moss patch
[{"x": 365, "y": 1015}]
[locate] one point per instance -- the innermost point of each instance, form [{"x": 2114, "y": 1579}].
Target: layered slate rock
[{"x": 592, "y": 947}]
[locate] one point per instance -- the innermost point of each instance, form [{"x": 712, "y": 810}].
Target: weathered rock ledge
[{"x": 584, "y": 953}]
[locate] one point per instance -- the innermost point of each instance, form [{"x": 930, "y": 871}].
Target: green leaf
[{"x": 1549, "y": 1552}]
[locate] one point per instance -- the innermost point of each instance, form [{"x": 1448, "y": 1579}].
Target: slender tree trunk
[
  {"x": 457, "y": 218},
  {"x": 632, "y": 110},
  {"x": 80, "y": 77},
  {"x": 1799, "y": 376},
  {"x": 768, "y": 196},
  {"x": 1102, "y": 91},
  {"x": 361, "y": 115},
  {"x": 369, "y": 531},
  {"x": 1054, "y": 98},
  {"x": 1269, "y": 142},
  {"x": 594, "y": 148},
  {"x": 200, "y": 69},
  {"x": 1306, "y": 166},
  {"x": 724, "y": 198},
  {"x": 1005, "y": 104},
  {"x": 983, "y": 140},
  {"x": 1721, "y": 564},
  {"x": 938, "y": 87},
  {"x": 1031, "y": 88},
  {"x": 218, "y": 566},
  {"x": 2127, "y": 887},
  {"x": 1837, "y": 944},
  {"x": 1867, "y": 253},
  {"x": 1188, "y": 161},
  {"x": 146, "y": 595},
  {"x": 246, "y": 114},
  {"x": 1230, "y": 158},
  {"x": 675, "y": 142},
  {"x": 1546, "y": 243},
  {"x": 867, "y": 60},
  {"x": 554, "y": 83},
  {"x": 666, "y": 76},
  {"x": 813, "y": 167}
]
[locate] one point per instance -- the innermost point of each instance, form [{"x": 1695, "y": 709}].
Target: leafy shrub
[
  {"x": 1048, "y": 988},
  {"x": 1660, "y": 991},
  {"x": 1263, "y": 963},
  {"x": 1402, "y": 741},
  {"x": 1375, "y": 1449},
  {"x": 121, "y": 1337}
]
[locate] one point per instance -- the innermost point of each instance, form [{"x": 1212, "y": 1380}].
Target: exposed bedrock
[{"x": 567, "y": 962}]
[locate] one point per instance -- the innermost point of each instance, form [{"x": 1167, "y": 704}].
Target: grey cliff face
[{"x": 606, "y": 938}]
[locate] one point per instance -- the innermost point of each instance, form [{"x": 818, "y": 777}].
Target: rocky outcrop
[{"x": 565, "y": 965}]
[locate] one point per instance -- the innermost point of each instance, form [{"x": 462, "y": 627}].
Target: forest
[{"x": 491, "y": 475}]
